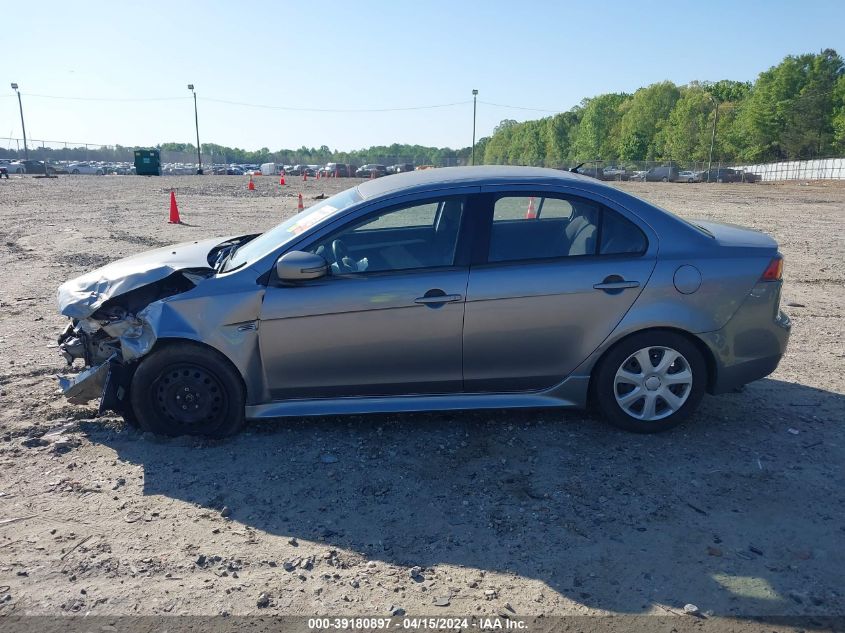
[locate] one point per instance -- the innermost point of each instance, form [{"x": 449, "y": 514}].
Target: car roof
[{"x": 480, "y": 175}]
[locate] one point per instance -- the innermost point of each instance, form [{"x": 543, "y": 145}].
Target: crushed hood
[{"x": 79, "y": 298}]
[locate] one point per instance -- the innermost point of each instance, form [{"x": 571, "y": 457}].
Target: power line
[
  {"x": 348, "y": 110},
  {"x": 513, "y": 107},
  {"x": 128, "y": 99},
  {"x": 249, "y": 105},
  {"x": 290, "y": 108}
]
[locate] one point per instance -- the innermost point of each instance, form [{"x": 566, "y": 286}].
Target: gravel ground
[{"x": 740, "y": 511}]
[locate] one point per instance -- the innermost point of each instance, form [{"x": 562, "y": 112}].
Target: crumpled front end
[
  {"x": 110, "y": 340},
  {"x": 116, "y": 311}
]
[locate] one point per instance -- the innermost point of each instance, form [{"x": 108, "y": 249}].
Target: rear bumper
[{"x": 752, "y": 343}]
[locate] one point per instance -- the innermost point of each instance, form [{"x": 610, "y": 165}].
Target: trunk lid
[{"x": 738, "y": 236}]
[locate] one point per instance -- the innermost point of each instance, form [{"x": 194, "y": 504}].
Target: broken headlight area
[
  {"x": 108, "y": 332},
  {"x": 107, "y": 343}
]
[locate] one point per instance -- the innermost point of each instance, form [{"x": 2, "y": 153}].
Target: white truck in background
[{"x": 268, "y": 169}]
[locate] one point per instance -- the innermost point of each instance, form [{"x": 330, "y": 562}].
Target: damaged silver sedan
[{"x": 460, "y": 288}]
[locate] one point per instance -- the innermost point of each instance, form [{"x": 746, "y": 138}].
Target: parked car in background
[
  {"x": 38, "y": 167},
  {"x": 234, "y": 171},
  {"x": 400, "y": 168},
  {"x": 371, "y": 171},
  {"x": 664, "y": 173},
  {"x": 85, "y": 168},
  {"x": 726, "y": 174},
  {"x": 4, "y": 173},
  {"x": 615, "y": 173},
  {"x": 433, "y": 290},
  {"x": 591, "y": 170},
  {"x": 339, "y": 170},
  {"x": 689, "y": 176},
  {"x": 300, "y": 170},
  {"x": 14, "y": 167}
]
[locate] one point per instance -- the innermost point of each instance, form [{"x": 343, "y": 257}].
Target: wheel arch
[
  {"x": 163, "y": 342},
  {"x": 701, "y": 346}
]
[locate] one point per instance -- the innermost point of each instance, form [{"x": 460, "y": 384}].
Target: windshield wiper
[{"x": 224, "y": 257}]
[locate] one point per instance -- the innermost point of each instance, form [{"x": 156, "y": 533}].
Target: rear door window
[{"x": 532, "y": 227}]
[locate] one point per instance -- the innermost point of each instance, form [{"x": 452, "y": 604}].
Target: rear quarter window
[{"x": 620, "y": 236}]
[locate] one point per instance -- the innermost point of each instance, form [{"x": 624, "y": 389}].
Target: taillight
[{"x": 774, "y": 271}]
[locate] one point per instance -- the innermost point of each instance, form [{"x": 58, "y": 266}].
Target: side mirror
[{"x": 299, "y": 266}]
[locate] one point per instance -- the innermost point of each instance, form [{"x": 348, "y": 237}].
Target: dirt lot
[{"x": 741, "y": 511}]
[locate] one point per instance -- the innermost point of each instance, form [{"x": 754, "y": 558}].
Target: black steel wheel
[
  {"x": 187, "y": 389},
  {"x": 190, "y": 395}
]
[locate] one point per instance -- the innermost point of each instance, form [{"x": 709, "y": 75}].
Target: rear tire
[
  {"x": 187, "y": 389},
  {"x": 649, "y": 382}
]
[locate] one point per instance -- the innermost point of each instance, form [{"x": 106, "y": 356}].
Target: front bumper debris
[{"x": 86, "y": 385}]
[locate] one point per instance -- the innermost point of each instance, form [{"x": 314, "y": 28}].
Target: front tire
[
  {"x": 650, "y": 382},
  {"x": 187, "y": 389}
]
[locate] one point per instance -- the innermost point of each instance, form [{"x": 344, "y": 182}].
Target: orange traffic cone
[
  {"x": 251, "y": 185},
  {"x": 282, "y": 180},
  {"x": 318, "y": 175},
  {"x": 531, "y": 213},
  {"x": 174, "y": 210},
  {"x": 304, "y": 176},
  {"x": 372, "y": 175},
  {"x": 300, "y": 206}
]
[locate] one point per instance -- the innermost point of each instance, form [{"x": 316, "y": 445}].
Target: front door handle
[
  {"x": 438, "y": 299},
  {"x": 616, "y": 283}
]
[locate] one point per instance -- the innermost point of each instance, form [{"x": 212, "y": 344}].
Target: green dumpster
[{"x": 147, "y": 162}]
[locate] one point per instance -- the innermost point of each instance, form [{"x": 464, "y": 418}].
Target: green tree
[
  {"x": 598, "y": 131},
  {"x": 838, "y": 115},
  {"x": 789, "y": 112},
  {"x": 686, "y": 133},
  {"x": 644, "y": 116}
]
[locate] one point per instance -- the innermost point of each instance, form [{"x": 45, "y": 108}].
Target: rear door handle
[
  {"x": 616, "y": 285},
  {"x": 444, "y": 298}
]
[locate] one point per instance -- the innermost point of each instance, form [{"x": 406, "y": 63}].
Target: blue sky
[{"x": 367, "y": 55}]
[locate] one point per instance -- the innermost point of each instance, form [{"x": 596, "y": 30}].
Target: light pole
[
  {"x": 713, "y": 135},
  {"x": 23, "y": 127},
  {"x": 197, "y": 123},
  {"x": 474, "y": 97}
]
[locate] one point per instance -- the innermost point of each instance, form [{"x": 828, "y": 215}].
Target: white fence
[{"x": 818, "y": 169}]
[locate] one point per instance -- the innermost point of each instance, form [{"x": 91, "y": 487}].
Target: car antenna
[{"x": 578, "y": 166}]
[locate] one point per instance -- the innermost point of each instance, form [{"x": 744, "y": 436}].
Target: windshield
[{"x": 281, "y": 234}]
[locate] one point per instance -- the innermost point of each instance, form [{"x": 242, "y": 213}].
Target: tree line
[
  {"x": 212, "y": 152},
  {"x": 795, "y": 110}
]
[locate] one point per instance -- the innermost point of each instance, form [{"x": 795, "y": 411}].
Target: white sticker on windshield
[{"x": 311, "y": 219}]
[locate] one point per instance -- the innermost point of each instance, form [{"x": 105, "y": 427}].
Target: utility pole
[
  {"x": 23, "y": 127},
  {"x": 474, "y": 97},
  {"x": 713, "y": 135},
  {"x": 197, "y": 123}
]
